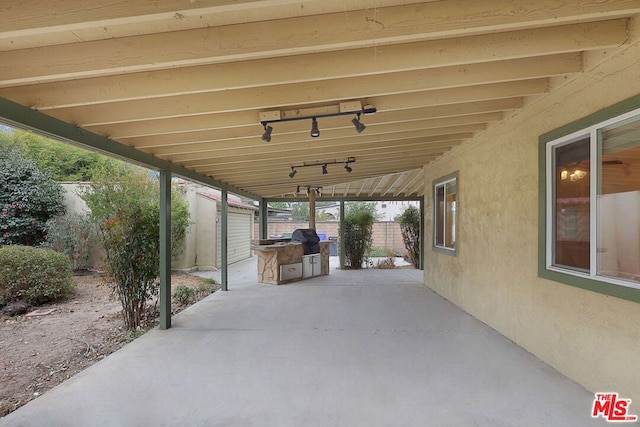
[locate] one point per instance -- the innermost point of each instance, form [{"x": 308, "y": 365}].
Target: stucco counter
[{"x": 284, "y": 262}]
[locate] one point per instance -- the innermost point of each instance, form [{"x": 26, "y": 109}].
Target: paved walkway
[{"x": 356, "y": 348}]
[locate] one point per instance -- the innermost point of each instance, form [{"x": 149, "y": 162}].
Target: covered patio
[
  {"x": 366, "y": 348},
  {"x": 269, "y": 99}
]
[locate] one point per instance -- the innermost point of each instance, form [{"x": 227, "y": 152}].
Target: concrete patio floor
[{"x": 356, "y": 348}]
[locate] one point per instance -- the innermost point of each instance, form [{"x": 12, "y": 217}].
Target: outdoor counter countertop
[{"x": 277, "y": 245}]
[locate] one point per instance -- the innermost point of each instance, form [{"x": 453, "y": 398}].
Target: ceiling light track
[
  {"x": 325, "y": 171},
  {"x": 309, "y": 189},
  {"x": 343, "y": 109}
]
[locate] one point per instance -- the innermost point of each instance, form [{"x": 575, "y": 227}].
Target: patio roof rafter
[{"x": 181, "y": 86}]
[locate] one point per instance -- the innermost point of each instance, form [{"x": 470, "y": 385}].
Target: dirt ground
[{"x": 39, "y": 352}]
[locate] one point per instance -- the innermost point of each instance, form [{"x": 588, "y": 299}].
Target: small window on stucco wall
[
  {"x": 445, "y": 213},
  {"x": 592, "y": 205}
]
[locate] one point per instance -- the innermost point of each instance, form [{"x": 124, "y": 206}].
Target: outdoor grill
[{"x": 309, "y": 238}]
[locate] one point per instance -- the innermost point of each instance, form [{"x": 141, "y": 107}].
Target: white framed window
[
  {"x": 445, "y": 213},
  {"x": 593, "y": 202}
]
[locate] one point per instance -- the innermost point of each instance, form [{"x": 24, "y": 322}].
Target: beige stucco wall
[
  {"x": 187, "y": 260},
  {"x": 207, "y": 235},
  {"x": 592, "y": 338}
]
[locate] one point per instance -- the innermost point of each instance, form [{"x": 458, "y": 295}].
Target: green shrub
[
  {"x": 28, "y": 198},
  {"x": 34, "y": 275},
  {"x": 125, "y": 207},
  {"x": 410, "y": 227},
  {"x": 183, "y": 295},
  {"x": 207, "y": 287},
  {"x": 73, "y": 235},
  {"x": 386, "y": 264},
  {"x": 358, "y": 236}
]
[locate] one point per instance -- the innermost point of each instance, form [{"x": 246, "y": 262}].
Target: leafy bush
[
  {"x": 73, "y": 235},
  {"x": 64, "y": 162},
  {"x": 28, "y": 198},
  {"x": 410, "y": 227},
  {"x": 208, "y": 286},
  {"x": 183, "y": 294},
  {"x": 34, "y": 275},
  {"x": 358, "y": 236},
  {"x": 126, "y": 209},
  {"x": 129, "y": 238},
  {"x": 386, "y": 264}
]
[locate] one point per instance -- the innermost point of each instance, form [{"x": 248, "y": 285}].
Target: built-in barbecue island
[{"x": 283, "y": 260}]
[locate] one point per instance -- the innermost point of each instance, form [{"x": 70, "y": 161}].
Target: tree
[
  {"x": 354, "y": 208},
  {"x": 300, "y": 211},
  {"x": 410, "y": 227},
  {"x": 64, "y": 162},
  {"x": 358, "y": 234},
  {"x": 28, "y": 198},
  {"x": 125, "y": 207}
]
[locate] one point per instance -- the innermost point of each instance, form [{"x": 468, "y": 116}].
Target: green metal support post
[
  {"x": 341, "y": 239},
  {"x": 224, "y": 239},
  {"x": 262, "y": 218},
  {"x": 422, "y": 242},
  {"x": 165, "y": 249}
]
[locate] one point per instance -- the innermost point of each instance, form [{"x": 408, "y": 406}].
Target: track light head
[
  {"x": 266, "y": 136},
  {"x": 348, "y": 168},
  {"x": 358, "y": 124},
  {"x": 293, "y": 172},
  {"x": 324, "y": 170},
  {"x": 297, "y": 190},
  {"x": 315, "y": 132}
]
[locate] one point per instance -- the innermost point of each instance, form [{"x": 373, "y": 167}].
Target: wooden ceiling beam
[
  {"x": 394, "y": 141},
  {"x": 362, "y": 171},
  {"x": 325, "y": 92},
  {"x": 409, "y": 182},
  {"x": 340, "y": 145},
  {"x": 37, "y": 18},
  {"x": 300, "y": 133},
  {"x": 185, "y": 125},
  {"x": 326, "y": 66},
  {"x": 372, "y": 27},
  {"x": 401, "y": 176},
  {"x": 385, "y": 167},
  {"x": 241, "y": 168},
  {"x": 48, "y": 23}
]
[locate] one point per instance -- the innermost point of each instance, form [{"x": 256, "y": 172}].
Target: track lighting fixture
[
  {"x": 266, "y": 136},
  {"x": 315, "y": 132},
  {"x": 357, "y": 124},
  {"x": 308, "y": 190},
  {"x": 344, "y": 108},
  {"x": 349, "y": 169}
]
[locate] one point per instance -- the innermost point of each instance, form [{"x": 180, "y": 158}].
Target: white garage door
[{"x": 239, "y": 236}]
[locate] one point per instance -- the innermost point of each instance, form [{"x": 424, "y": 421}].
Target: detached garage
[
  {"x": 240, "y": 231},
  {"x": 202, "y": 245}
]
